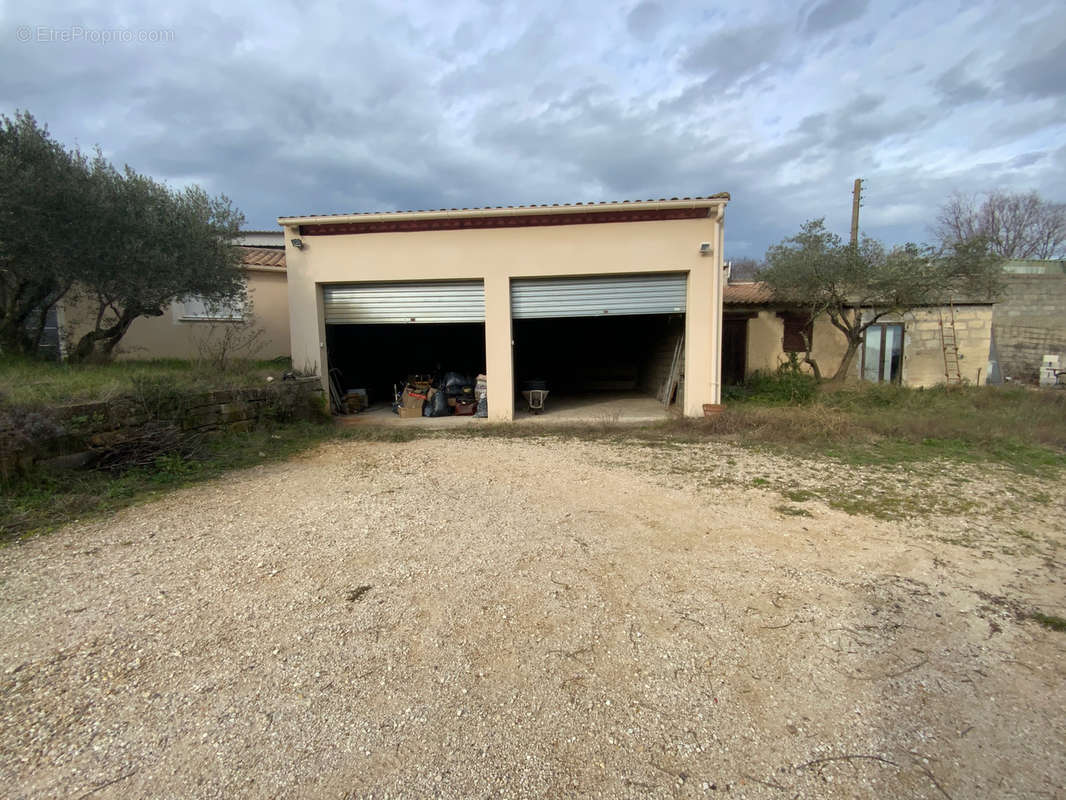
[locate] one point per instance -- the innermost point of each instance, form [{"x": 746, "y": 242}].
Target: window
[
  {"x": 882, "y": 354},
  {"x": 198, "y": 308},
  {"x": 796, "y": 326}
]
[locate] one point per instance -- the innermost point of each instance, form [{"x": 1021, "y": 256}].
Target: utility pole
[{"x": 856, "y": 201}]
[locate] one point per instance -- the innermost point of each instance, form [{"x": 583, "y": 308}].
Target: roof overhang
[{"x": 510, "y": 216}]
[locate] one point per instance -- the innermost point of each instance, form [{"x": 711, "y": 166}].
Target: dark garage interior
[
  {"x": 374, "y": 357},
  {"x": 580, "y": 356}
]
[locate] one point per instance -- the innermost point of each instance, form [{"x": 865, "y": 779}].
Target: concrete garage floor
[{"x": 615, "y": 408}]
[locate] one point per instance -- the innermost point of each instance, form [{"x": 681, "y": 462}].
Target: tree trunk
[
  {"x": 807, "y": 355},
  {"x": 813, "y": 365},
  {"x": 844, "y": 369},
  {"x": 99, "y": 344}
]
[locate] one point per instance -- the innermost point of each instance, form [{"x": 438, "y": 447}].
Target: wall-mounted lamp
[
  {"x": 705, "y": 248},
  {"x": 297, "y": 243}
]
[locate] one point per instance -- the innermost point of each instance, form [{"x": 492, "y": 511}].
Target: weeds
[
  {"x": 1050, "y": 621},
  {"x": 43, "y": 499},
  {"x": 792, "y": 511},
  {"x": 33, "y": 383}
]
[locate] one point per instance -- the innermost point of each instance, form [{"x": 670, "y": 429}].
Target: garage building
[{"x": 586, "y": 297}]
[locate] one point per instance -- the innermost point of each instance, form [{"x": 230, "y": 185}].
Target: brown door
[{"x": 734, "y": 350}]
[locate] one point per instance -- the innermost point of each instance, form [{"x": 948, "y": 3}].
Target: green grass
[
  {"x": 34, "y": 384},
  {"x": 890, "y": 426},
  {"x": 792, "y": 511},
  {"x": 1049, "y": 621},
  {"x": 42, "y": 500}
]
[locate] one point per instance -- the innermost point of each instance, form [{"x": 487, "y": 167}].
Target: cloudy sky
[{"x": 295, "y": 110}]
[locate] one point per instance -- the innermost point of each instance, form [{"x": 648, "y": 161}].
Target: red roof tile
[
  {"x": 263, "y": 257},
  {"x": 747, "y": 294}
]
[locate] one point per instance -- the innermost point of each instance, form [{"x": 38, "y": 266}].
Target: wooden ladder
[
  {"x": 673, "y": 377},
  {"x": 950, "y": 343}
]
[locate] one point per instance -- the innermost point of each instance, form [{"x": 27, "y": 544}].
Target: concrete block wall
[{"x": 1030, "y": 321}]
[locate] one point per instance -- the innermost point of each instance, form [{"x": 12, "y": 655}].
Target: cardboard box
[
  {"x": 406, "y": 412},
  {"x": 412, "y": 399}
]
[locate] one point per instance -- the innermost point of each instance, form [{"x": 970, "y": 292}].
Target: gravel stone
[{"x": 538, "y": 617}]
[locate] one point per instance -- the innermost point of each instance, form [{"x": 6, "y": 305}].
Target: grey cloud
[
  {"x": 1041, "y": 76},
  {"x": 1026, "y": 160},
  {"x": 645, "y": 20},
  {"x": 834, "y": 13},
  {"x": 733, "y": 54},
  {"x": 864, "y": 103},
  {"x": 955, "y": 86}
]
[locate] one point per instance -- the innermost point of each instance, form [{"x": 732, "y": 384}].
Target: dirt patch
[{"x": 464, "y": 618}]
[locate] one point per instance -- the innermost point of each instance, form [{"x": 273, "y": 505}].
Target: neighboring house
[
  {"x": 584, "y": 297},
  {"x": 758, "y": 333},
  {"x": 185, "y": 327},
  {"x": 274, "y": 238},
  {"x": 1030, "y": 318}
]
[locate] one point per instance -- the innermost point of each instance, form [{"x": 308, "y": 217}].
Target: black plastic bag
[
  {"x": 454, "y": 383},
  {"x": 437, "y": 406}
]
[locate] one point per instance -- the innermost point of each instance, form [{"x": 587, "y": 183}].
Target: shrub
[
  {"x": 788, "y": 384},
  {"x": 21, "y": 430}
]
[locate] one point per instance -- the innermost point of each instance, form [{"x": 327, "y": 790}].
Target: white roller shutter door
[
  {"x": 404, "y": 302},
  {"x": 595, "y": 296}
]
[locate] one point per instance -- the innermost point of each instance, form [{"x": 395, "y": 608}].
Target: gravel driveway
[{"x": 536, "y": 618}]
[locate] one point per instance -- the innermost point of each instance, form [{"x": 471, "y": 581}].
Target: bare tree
[
  {"x": 229, "y": 336},
  {"x": 743, "y": 269},
  {"x": 1021, "y": 225}
]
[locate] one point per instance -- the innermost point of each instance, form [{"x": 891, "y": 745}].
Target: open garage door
[
  {"x": 602, "y": 344},
  {"x": 378, "y": 334},
  {"x": 395, "y": 303},
  {"x": 544, "y": 298}
]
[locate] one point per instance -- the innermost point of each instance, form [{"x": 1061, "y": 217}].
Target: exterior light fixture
[
  {"x": 705, "y": 248},
  {"x": 297, "y": 243}
]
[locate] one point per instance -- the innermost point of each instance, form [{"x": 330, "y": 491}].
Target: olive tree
[
  {"x": 43, "y": 213},
  {"x": 123, "y": 244},
  {"x": 854, "y": 286},
  {"x": 157, "y": 246}
]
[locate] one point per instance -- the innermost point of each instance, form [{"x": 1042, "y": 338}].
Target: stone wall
[
  {"x": 1030, "y": 321},
  {"x": 75, "y": 435},
  {"x": 923, "y": 351}
]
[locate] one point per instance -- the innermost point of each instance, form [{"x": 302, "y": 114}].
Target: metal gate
[
  {"x": 595, "y": 296},
  {"x": 403, "y": 302}
]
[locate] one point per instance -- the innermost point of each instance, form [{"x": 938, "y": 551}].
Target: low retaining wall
[{"x": 75, "y": 435}]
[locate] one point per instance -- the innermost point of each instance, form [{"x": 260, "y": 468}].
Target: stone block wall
[
  {"x": 1030, "y": 321},
  {"x": 923, "y": 351},
  {"x": 73, "y": 435}
]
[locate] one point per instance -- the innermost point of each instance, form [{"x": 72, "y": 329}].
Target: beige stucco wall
[
  {"x": 923, "y": 356},
  {"x": 496, "y": 255},
  {"x": 170, "y": 336},
  {"x": 765, "y": 335}
]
